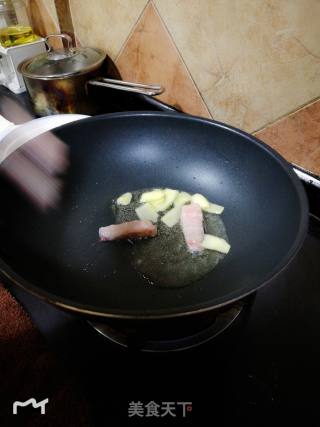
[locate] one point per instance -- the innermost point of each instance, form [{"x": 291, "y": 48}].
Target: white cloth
[{"x": 14, "y": 136}]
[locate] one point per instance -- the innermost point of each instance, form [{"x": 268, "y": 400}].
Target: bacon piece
[
  {"x": 192, "y": 226},
  {"x": 128, "y": 230}
]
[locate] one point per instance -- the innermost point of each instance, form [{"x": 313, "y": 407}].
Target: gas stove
[{"x": 257, "y": 358}]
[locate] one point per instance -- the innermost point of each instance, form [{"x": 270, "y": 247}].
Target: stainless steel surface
[
  {"x": 57, "y": 80},
  {"x": 307, "y": 178},
  {"x": 220, "y": 322},
  {"x": 62, "y": 63},
  {"x": 151, "y": 90},
  {"x": 59, "y": 36}
]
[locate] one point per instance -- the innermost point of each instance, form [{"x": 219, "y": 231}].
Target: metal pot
[{"x": 58, "y": 80}]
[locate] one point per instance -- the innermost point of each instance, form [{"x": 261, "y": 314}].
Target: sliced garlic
[
  {"x": 146, "y": 212},
  {"x": 172, "y": 217},
  {"x": 157, "y": 203},
  {"x": 215, "y": 209},
  {"x": 152, "y": 196},
  {"x": 169, "y": 198},
  {"x": 200, "y": 200},
  {"x": 215, "y": 243},
  {"x": 124, "y": 199},
  {"x": 182, "y": 198}
]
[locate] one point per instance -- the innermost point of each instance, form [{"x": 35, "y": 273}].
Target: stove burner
[{"x": 210, "y": 326}]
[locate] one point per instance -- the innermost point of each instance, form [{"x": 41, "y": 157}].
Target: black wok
[{"x": 57, "y": 256}]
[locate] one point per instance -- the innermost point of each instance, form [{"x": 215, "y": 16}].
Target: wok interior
[{"x": 59, "y": 253}]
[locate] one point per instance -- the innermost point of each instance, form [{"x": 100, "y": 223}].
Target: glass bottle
[{"x": 15, "y": 28}]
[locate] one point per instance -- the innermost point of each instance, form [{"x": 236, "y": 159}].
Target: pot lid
[{"x": 61, "y": 63}]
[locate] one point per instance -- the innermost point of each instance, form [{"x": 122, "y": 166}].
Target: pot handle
[{"x": 150, "y": 90}]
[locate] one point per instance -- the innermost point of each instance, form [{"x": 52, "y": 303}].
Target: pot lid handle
[{"x": 58, "y": 55}]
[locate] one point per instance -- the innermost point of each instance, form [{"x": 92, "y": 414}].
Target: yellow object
[
  {"x": 201, "y": 201},
  {"x": 124, "y": 199},
  {"x": 146, "y": 212},
  {"x": 182, "y": 198},
  {"x": 215, "y": 209},
  {"x": 157, "y": 203},
  {"x": 215, "y": 243},
  {"x": 17, "y": 34},
  {"x": 169, "y": 197},
  {"x": 172, "y": 217},
  {"x": 151, "y": 196}
]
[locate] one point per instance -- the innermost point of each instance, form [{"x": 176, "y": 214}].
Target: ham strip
[
  {"x": 128, "y": 230},
  {"x": 192, "y": 226}
]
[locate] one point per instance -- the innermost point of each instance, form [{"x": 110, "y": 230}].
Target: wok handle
[{"x": 150, "y": 90}]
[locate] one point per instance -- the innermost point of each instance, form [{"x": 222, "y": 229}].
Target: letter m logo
[{"x": 32, "y": 402}]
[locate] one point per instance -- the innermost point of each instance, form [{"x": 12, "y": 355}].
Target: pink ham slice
[
  {"x": 192, "y": 226},
  {"x": 128, "y": 230}
]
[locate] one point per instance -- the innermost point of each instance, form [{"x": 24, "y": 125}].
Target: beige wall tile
[
  {"x": 150, "y": 56},
  {"x": 105, "y": 23},
  {"x": 297, "y": 137},
  {"x": 253, "y": 61}
]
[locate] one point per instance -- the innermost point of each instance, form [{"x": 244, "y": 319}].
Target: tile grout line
[
  {"x": 286, "y": 115},
  {"x": 131, "y": 31},
  {"x": 180, "y": 56}
]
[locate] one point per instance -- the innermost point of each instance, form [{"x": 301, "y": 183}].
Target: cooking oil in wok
[{"x": 165, "y": 259}]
